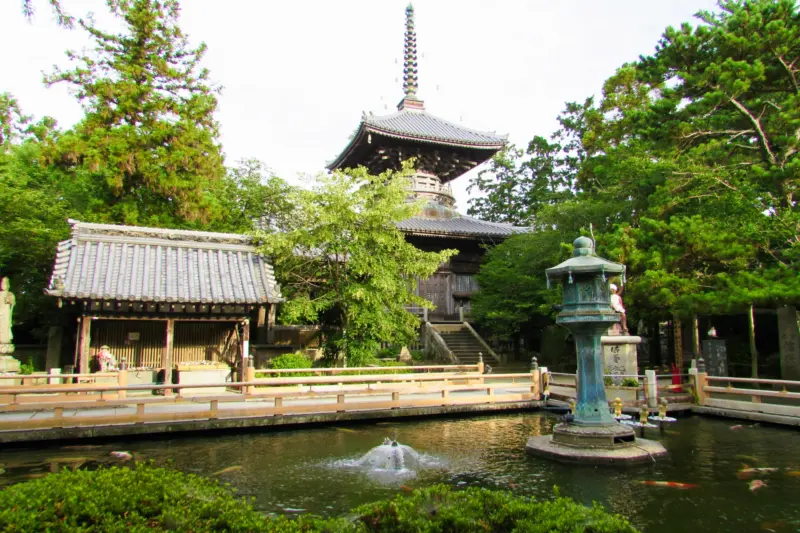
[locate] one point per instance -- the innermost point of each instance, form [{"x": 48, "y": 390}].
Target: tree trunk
[
  {"x": 789, "y": 336},
  {"x": 678, "y": 336},
  {"x": 695, "y": 338},
  {"x": 751, "y": 330}
]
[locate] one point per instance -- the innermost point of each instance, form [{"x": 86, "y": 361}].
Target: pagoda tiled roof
[
  {"x": 459, "y": 226},
  {"x": 421, "y": 126},
  {"x": 139, "y": 264}
]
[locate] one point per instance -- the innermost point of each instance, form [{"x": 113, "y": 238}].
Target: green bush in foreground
[{"x": 147, "y": 498}]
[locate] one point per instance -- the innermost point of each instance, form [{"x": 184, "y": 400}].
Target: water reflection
[{"x": 307, "y": 470}]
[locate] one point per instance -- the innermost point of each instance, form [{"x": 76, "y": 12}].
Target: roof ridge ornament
[{"x": 410, "y": 73}]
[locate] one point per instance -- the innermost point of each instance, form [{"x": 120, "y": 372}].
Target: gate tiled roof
[{"x": 137, "y": 264}]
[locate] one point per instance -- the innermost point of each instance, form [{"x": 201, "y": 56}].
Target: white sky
[{"x": 297, "y": 74}]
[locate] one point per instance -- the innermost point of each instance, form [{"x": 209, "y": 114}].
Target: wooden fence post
[
  {"x": 701, "y": 381},
  {"x": 122, "y": 381},
  {"x": 166, "y": 355},
  {"x": 250, "y": 376},
  {"x": 535, "y": 377}
]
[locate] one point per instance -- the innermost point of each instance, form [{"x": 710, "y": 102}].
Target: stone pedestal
[
  {"x": 619, "y": 356},
  {"x": 8, "y": 364}
]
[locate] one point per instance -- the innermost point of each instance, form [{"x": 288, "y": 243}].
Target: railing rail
[
  {"x": 762, "y": 398},
  {"x": 367, "y": 369},
  {"x": 364, "y": 392}
]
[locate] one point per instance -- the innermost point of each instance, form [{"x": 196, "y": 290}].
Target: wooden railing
[
  {"x": 368, "y": 369},
  {"x": 76, "y": 405},
  {"x": 638, "y": 394},
  {"x": 768, "y": 396}
]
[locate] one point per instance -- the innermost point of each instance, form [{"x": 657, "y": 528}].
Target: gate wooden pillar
[
  {"x": 84, "y": 342},
  {"x": 166, "y": 355}
]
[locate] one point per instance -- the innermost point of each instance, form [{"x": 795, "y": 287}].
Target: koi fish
[
  {"x": 122, "y": 456},
  {"x": 738, "y": 426},
  {"x": 406, "y": 488},
  {"x": 228, "y": 470},
  {"x": 756, "y": 484},
  {"x": 513, "y": 486},
  {"x": 793, "y": 473},
  {"x": 772, "y": 526},
  {"x": 761, "y": 470},
  {"x": 750, "y": 458},
  {"x": 671, "y": 484},
  {"x": 746, "y": 472},
  {"x": 66, "y": 460},
  {"x": 346, "y": 430}
]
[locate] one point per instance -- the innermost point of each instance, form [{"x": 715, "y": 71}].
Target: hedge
[{"x": 149, "y": 498}]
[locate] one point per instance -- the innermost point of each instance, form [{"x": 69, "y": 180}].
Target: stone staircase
[{"x": 465, "y": 347}]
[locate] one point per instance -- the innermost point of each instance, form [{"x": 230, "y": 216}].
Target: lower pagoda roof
[
  {"x": 441, "y": 221},
  {"x": 442, "y": 147}
]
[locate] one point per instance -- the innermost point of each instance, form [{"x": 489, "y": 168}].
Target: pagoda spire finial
[
  {"x": 410, "y": 80},
  {"x": 410, "y": 75}
]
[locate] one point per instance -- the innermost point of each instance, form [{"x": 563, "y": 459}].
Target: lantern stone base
[{"x": 611, "y": 444}]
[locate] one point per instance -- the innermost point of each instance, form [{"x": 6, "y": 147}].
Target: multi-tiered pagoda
[{"x": 443, "y": 151}]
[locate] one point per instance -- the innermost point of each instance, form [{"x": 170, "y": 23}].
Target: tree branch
[
  {"x": 790, "y": 71},
  {"x": 757, "y": 125}
]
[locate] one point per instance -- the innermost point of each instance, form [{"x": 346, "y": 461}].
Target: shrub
[
  {"x": 630, "y": 382},
  {"x": 438, "y": 509},
  {"x": 147, "y": 498},
  {"x": 26, "y": 369},
  {"x": 289, "y": 360},
  {"x": 417, "y": 355},
  {"x": 608, "y": 381},
  {"x": 142, "y": 498}
]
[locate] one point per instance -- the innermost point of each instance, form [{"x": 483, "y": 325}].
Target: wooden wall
[{"x": 193, "y": 341}]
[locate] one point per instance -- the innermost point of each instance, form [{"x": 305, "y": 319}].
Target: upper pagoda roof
[
  {"x": 416, "y": 126},
  {"x": 442, "y": 147}
]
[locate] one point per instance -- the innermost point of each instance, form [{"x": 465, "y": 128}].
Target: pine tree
[{"x": 149, "y": 134}]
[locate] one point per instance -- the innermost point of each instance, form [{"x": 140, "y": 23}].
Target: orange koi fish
[
  {"x": 746, "y": 472},
  {"x": 756, "y": 484},
  {"x": 671, "y": 484}
]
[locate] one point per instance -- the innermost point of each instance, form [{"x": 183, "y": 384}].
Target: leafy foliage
[
  {"x": 513, "y": 286},
  {"x": 343, "y": 263},
  {"x": 62, "y": 17},
  {"x": 253, "y": 196},
  {"x": 147, "y": 498},
  {"x": 438, "y": 509},
  {"x": 687, "y": 168},
  {"x": 142, "y": 498},
  {"x": 149, "y": 134},
  {"x": 290, "y": 360}
]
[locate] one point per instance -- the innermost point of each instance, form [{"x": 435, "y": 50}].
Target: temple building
[
  {"x": 163, "y": 300},
  {"x": 443, "y": 151}
]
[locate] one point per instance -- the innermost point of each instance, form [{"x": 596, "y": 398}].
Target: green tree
[
  {"x": 514, "y": 293},
  {"x": 149, "y": 134},
  {"x": 343, "y": 263},
  {"x": 513, "y": 189},
  {"x": 253, "y": 196},
  {"x": 62, "y": 17}
]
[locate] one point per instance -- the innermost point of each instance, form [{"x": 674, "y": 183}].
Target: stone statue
[
  {"x": 616, "y": 305},
  {"x": 7, "y": 302}
]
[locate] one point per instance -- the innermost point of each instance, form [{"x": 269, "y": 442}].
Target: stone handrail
[
  {"x": 437, "y": 343},
  {"x": 482, "y": 342}
]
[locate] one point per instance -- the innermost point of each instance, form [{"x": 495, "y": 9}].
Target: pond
[{"x": 316, "y": 470}]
